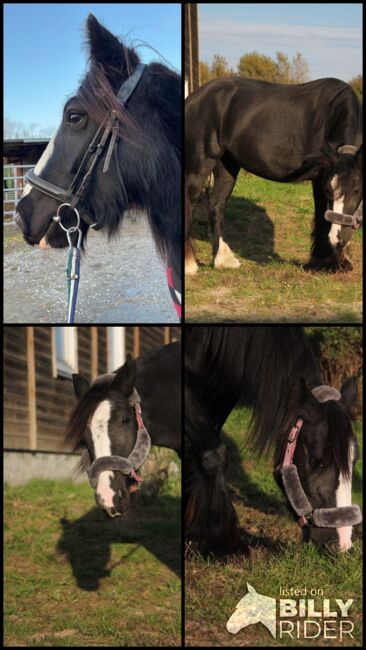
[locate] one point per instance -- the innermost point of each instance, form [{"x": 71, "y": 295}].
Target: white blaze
[
  {"x": 102, "y": 447},
  {"x": 338, "y": 205},
  {"x": 344, "y": 498},
  {"x": 41, "y": 163}
]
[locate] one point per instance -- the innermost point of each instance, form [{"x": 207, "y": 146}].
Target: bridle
[
  {"x": 127, "y": 466},
  {"x": 72, "y": 196},
  {"x": 342, "y": 219},
  {"x": 306, "y": 515}
]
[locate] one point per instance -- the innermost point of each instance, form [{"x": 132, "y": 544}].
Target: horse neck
[{"x": 160, "y": 395}]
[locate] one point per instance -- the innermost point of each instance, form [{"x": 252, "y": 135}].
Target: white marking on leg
[
  {"x": 102, "y": 447},
  {"x": 41, "y": 163},
  {"x": 344, "y": 498},
  {"x": 190, "y": 266},
  {"x": 338, "y": 206},
  {"x": 225, "y": 258}
]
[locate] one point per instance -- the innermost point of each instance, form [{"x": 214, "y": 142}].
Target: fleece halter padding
[
  {"x": 307, "y": 516},
  {"x": 322, "y": 517}
]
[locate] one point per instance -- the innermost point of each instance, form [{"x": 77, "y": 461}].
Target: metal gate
[{"x": 13, "y": 184}]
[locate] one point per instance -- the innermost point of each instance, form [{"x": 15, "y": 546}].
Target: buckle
[{"x": 306, "y": 520}]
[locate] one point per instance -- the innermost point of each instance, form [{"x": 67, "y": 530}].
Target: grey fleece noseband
[
  {"x": 307, "y": 516},
  {"x": 134, "y": 460}
]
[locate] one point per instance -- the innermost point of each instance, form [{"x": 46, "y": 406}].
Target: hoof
[
  {"x": 225, "y": 258},
  {"x": 191, "y": 267},
  {"x": 332, "y": 264},
  {"x": 226, "y": 264}
]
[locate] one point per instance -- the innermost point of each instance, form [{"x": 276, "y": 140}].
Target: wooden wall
[{"x": 36, "y": 404}]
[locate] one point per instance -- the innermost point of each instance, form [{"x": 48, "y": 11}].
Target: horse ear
[
  {"x": 349, "y": 392},
  {"x": 251, "y": 589},
  {"x": 81, "y": 385},
  {"x": 126, "y": 377}
]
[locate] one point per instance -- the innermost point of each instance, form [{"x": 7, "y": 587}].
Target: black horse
[
  {"x": 272, "y": 370},
  {"x": 284, "y": 133},
  {"x": 141, "y": 127},
  {"x": 113, "y": 435}
]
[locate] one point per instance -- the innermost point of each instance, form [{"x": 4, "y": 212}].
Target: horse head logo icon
[{"x": 253, "y": 608}]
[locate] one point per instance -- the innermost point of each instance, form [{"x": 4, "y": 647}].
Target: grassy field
[
  {"x": 213, "y": 589},
  {"x": 74, "y": 578},
  {"x": 269, "y": 232}
]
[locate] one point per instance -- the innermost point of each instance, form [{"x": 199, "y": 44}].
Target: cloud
[{"x": 330, "y": 51}]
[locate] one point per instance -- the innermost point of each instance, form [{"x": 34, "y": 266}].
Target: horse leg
[
  {"x": 211, "y": 523},
  {"x": 225, "y": 174},
  {"x": 193, "y": 189},
  {"x": 190, "y": 264},
  {"x": 326, "y": 254}
]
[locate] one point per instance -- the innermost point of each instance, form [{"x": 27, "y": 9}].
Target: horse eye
[
  {"x": 75, "y": 118},
  {"x": 316, "y": 464},
  {"x": 125, "y": 420}
]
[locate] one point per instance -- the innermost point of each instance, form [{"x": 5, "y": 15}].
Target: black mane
[
  {"x": 258, "y": 367},
  {"x": 153, "y": 170}
]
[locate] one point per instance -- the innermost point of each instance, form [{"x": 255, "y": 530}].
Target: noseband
[
  {"x": 307, "y": 516},
  {"x": 76, "y": 191},
  {"x": 127, "y": 466}
]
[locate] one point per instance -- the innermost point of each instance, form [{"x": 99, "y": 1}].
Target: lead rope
[{"x": 72, "y": 270}]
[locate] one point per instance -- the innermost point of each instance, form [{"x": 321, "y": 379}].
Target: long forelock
[
  {"x": 82, "y": 413},
  {"x": 341, "y": 438}
]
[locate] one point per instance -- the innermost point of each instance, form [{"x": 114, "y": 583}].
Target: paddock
[
  {"x": 75, "y": 579},
  {"x": 73, "y": 576},
  {"x": 268, "y": 226}
]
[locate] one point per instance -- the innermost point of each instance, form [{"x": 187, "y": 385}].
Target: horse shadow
[
  {"x": 241, "y": 485},
  {"x": 248, "y": 229},
  {"x": 86, "y": 542}
]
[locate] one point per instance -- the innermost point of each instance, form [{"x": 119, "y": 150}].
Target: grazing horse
[
  {"x": 118, "y": 147},
  {"x": 284, "y": 133},
  {"x": 307, "y": 424},
  {"x": 119, "y": 416}
]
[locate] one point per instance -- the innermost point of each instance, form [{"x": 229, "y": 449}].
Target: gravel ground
[{"x": 122, "y": 281}]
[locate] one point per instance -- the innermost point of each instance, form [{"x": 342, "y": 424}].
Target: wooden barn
[
  {"x": 191, "y": 50},
  {"x": 38, "y": 392}
]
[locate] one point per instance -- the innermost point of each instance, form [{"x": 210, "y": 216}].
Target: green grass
[
  {"x": 74, "y": 578},
  {"x": 277, "y": 558},
  {"x": 269, "y": 232}
]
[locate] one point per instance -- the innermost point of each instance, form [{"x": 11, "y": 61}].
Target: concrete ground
[{"x": 121, "y": 280}]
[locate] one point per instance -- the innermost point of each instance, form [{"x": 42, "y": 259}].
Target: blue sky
[
  {"x": 329, "y": 36},
  {"x": 45, "y": 56}
]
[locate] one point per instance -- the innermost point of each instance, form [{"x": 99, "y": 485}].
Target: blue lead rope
[
  {"x": 73, "y": 265},
  {"x": 72, "y": 278}
]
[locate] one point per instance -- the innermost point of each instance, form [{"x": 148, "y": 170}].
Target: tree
[
  {"x": 257, "y": 66},
  {"x": 205, "y": 74},
  {"x": 356, "y": 83},
  {"x": 220, "y": 67}
]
